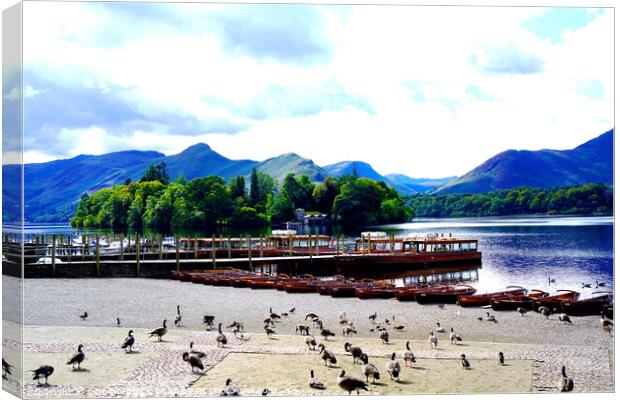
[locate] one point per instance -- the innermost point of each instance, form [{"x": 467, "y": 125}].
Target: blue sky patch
[{"x": 553, "y": 22}]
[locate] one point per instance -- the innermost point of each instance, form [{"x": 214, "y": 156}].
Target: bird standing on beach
[
  {"x": 274, "y": 316},
  {"x": 433, "y": 341},
  {"x": 269, "y": 331},
  {"x": 6, "y": 368},
  {"x": 326, "y": 333},
  {"x": 315, "y": 383},
  {"x": 491, "y": 318},
  {"x": 348, "y": 331},
  {"x": 384, "y": 336},
  {"x": 220, "y": 339},
  {"x": 159, "y": 332},
  {"x": 454, "y": 337},
  {"x": 310, "y": 341},
  {"x": 302, "y": 329},
  {"x": 230, "y": 389},
  {"x": 44, "y": 371},
  {"x": 349, "y": 383},
  {"x": 369, "y": 370},
  {"x": 565, "y": 319},
  {"x": 393, "y": 367},
  {"x": 129, "y": 342},
  {"x": 177, "y": 319},
  {"x": 408, "y": 356},
  {"x": 464, "y": 362},
  {"x": 439, "y": 328},
  {"x": 521, "y": 310},
  {"x": 355, "y": 351},
  {"x": 118, "y": 322},
  {"x": 84, "y": 316},
  {"x": 565, "y": 384},
  {"x": 208, "y": 320},
  {"x": 327, "y": 355},
  {"x": 193, "y": 361},
  {"x": 544, "y": 311},
  {"x": 373, "y": 317},
  {"x": 501, "y": 358},
  {"x": 77, "y": 358},
  {"x": 608, "y": 326}
]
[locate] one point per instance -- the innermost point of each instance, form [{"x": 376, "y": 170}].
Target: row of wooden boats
[{"x": 513, "y": 297}]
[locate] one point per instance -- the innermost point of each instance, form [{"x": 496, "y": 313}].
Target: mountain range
[{"x": 52, "y": 189}]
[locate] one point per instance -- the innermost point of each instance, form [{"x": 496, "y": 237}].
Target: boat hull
[{"x": 347, "y": 263}]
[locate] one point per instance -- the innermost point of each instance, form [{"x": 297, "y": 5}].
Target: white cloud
[{"x": 436, "y": 130}]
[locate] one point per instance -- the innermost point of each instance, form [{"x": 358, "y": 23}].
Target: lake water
[{"x": 524, "y": 251}]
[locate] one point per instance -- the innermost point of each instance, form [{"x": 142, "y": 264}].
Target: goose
[
  {"x": 177, "y": 319},
  {"x": 269, "y": 331},
  {"x": 373, "y": 317},
  {"x": 393, "y": 367},
  {"x": 273, "y": 315},
  {"x": 220, "y": 339},
  {"x": 6, "y": 368},
  {"x": 265, "y": 392},
  {"x": 387, "y": 321},
  {"x": 348, "y": 331},
  {"x": 326, "y": 333},
  {"x": 491, "y": 318},
  {"x": 230, "y": 389},
  {"x": 77, "y": 358},
  {"x": 84, "y": 316},
  {"x": 268, "y": 321},
  {"x": 501, "y": 358},
  {"x": 439, "y": 328},
  {"x": 521, "y": 310},
  {"x": 208, "y": 320},
  {"x": 284, "y": 315},
  {"x": 236, "y": 326},
  {"x": 544, "y": 311},
  {"x": 310, "y": 341},
  {"x": 442, "y": 306},
  {"x": 311, "y": 316},
  {"x": 129, "y": 342},
  {"x": 44, "y": 371},
  {"x": 302, "y": 329},
  {"x": 327, "y": 355},
  {"x": 355, "y": 351},
  {"x": 408, "y": 356},
  {"x": 384, "y": 336},
  {"x": 195, "y": 352},
  {"x": 118, "y": 322},
  {"x": 315, "y": 383},
  {"x": 159, "y": 332},
  {"x": 464, "y": 362},
  {"x": 607, "y": 325},
  {"x": 433, "y": 341},
  {"x": 343, "y": 318},
  {"x": 194, "y": 362},
  {"x": 292, "y": 310},
  {"x": 349, "y": 384},
  {"x": 454, "y": 337},
  {"x": 369, "y": 369},
  {"x": 565, "y": 319},
  {"x": 565, "y": 384},
  {"x": 399, "y": 328}
]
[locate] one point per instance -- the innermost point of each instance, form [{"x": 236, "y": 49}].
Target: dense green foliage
[
  {"x": 154, "y": 203},
  {"x": 583, "y": 200}
]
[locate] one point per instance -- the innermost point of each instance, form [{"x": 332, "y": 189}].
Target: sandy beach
[{"x": 535, "y": 348}]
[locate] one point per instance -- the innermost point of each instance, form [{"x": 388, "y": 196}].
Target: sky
[{"x": 423, "y": 91}]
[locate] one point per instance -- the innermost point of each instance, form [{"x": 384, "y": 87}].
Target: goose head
[
  {"x": 342, "y": 373},
  {"x": 393, "y": 356},
  {"x": 80, "y": 348},
  {"x": 130, "y": 332},
  {"x": 185, "y": 356},
  {"x": 228, "y": 381}
]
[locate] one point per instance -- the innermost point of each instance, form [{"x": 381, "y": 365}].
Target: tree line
[
  {"x": 155, "y": 202},
  {"x": 590, "y": 199}
]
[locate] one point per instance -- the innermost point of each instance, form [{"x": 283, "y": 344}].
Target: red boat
[
  {"x": 514, "y": 302},
  {"x": 480, "y": 300},
  {"x": 556, "y": 300},
  {"x": 348, "y": 289},
  {"x": 592, "y": 306},
  {"x": 444, "y": 294},
  {"x": 375, "y": 293},
  {"x": 407, "y": 293}
]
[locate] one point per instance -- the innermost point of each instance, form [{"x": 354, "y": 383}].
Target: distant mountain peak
[{"x": 197, "y": 147}]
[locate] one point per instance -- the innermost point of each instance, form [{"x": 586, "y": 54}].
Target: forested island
[
  {"x": 155, "y": 202},
  {"x": 591, "y": 199}
]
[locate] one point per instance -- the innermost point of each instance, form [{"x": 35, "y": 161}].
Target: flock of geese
[{"x": 347, "y": 383}]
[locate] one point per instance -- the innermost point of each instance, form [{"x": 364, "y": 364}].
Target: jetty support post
[
  {"x": 122, "y": 256},
  {"x": 337, "y": 245},
  {"x": 249, "y": 251},
  {"x": 98, "y": 265},
  {"x": 53, "y": 255},
  {"x": 260, "y": 246},
  {"x": 176, "y": 245},
  {"x": 290, "y": 245},
  {"x": 195, "y": 249},
  {"x": 137, "y": 254},
  {"x": 310, "y": 246},
  {"x": 229, "y": 247},
  {"x": 213, "y": 254},
  {"x": 161, "y": 250}
]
